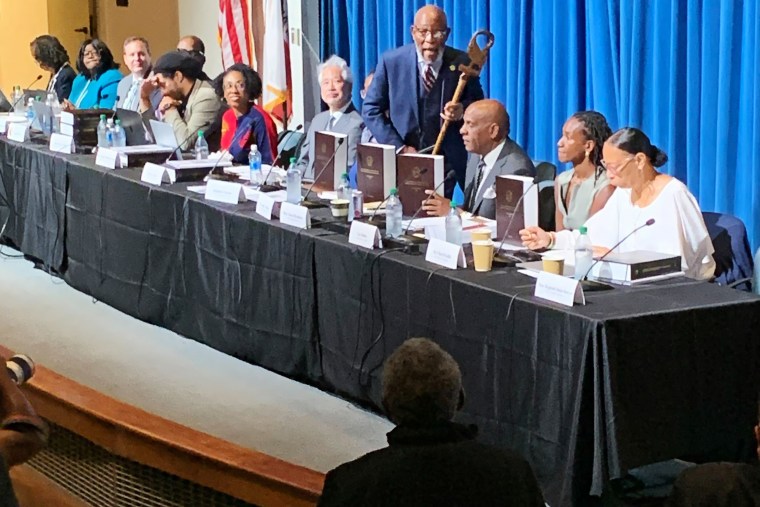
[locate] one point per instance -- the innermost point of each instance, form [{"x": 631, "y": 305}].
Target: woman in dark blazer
[{"x": 52, "y": 57}]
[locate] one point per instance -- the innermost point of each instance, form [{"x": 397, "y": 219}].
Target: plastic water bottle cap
[
  {"x": 394, "y": 191},
  {"x": 254, "y": 147},
  {"x": 200, "y": 133},
  {"x": 583, "y": 229}
]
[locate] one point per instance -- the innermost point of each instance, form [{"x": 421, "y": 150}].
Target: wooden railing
[{"x": 134, "y": 434}]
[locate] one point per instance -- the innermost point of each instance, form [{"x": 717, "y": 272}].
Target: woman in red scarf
[{"x": 243, "y": 124}]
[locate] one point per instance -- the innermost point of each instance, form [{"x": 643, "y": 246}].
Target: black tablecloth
[{"x": 637, "y": 375}]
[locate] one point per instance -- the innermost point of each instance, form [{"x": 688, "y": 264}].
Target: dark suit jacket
[
  {"x": 62, "y": 85},
  {"x": 395, "y": 90},
  {"x": 717, "y": 485},
  {"x": 512, "y": 160},
  {"x": 439, "y": 466}
]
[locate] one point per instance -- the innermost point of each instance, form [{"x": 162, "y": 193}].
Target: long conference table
[{"x": 637, "y": 375}]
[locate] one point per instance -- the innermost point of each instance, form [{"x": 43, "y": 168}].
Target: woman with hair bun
[{"x": 642, "y": 193}]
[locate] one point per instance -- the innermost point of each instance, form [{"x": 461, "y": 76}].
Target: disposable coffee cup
[
  {"x": 554, "y": 263},
  {"x": 482, "y": 253},
  {"x": 481, "y": 234},
  {"x": 339, "y": 208}
]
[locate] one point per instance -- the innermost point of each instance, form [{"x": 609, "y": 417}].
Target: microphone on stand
[
  {"x": 278, "y": 158},
  {"x": 224, "y": 152},
  {"x": 335, "y": 151},
  {"x": 15, "y": 103},
  {"x": 592, "y": 285},
  {"x": 179, "y": 146},
  {"x": 422, "y": 171},
  {"x": 449, "y": 175}
]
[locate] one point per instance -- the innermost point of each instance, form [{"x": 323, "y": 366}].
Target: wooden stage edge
[{"x": 145, "y": 438}]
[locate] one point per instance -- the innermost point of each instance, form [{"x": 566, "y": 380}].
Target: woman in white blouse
[{"x": 642, "y": 194}]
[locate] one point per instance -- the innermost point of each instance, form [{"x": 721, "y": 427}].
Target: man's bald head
[
  {"x": 430, "y": 31},
  {"x": 486, "y": 124}
]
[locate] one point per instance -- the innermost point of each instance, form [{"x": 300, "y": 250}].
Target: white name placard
[
  {"x": 67, "y": 118},
  {"x": 365, "y": 235},
  {"x": 17, "y": 131},
  {"x": 560, "y": 289},
  {"x": 264, "y": 206},
  {"x": 224, "y": 191},
  {"x": 67, "y": 130},
  {"x": 295, "y": 215},
  {"x": 60, "y": 143},
  {"x": 108, "y": 158},
  {"x": 154, "y": 174},
  {"x": 445, "y": 254}
]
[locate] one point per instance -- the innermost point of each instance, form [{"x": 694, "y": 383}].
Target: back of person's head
[
  {"x": 193, "y": 46},
  {"x": 49, "y": 52},
  {"x": 106, "y": 59},
  {"x": 596, "y": 129},
  {"x": 422, "y": 384},
  {"x": 632, "y": 140},
  {"x": 178, "y": 61}
]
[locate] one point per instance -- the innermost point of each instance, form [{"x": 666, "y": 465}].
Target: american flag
[
  {"x": 235, "y": 32},
  {"x": 276, "y": 75}
]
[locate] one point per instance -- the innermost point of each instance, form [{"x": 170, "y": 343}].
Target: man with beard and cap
[{"x": 189, "y": 103}]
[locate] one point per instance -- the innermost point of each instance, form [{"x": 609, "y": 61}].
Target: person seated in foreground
[
  {"x": 98, "y": 80},
  {"x": 485, "y": 133},
  {"x": 583, "y": 190},
  {"x": 243, "y": 124},
  {"x": 719, "y": 484},
  {"x": 335, "y": 81},
  {"x": 189, "y": 104},
  {"x": 430, "y": 460},
  {"x": 52, "y": 57},
  {"x": 642, "y": 193},
  {"x": 22, "y": 433},
  {"x": 139, "y": 61}
]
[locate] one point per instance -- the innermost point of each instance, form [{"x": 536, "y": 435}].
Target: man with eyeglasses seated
[
  {"x": 195, "y": 47},
  {"x": 412, "y": 91}
]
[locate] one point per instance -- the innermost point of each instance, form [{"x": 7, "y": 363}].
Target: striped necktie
[
  {"x": 476, "y": 185},
  {"x": 429, "y": 78}
]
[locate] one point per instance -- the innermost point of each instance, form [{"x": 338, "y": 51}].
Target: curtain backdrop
[{"x": 687, "y": 72}]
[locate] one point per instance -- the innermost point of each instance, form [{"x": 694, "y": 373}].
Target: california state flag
[{"x": 275, "y": 78}]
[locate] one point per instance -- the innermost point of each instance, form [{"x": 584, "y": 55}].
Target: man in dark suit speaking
[
  {"x": 485, "y": 132},
  {"x": 412, "y": 90}
]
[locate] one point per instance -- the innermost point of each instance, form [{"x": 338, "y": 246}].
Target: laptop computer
[
  {"x": 41, "y": 110},
  {"x": 163, "y": 135},
  {"x": 134, "y": 127}
]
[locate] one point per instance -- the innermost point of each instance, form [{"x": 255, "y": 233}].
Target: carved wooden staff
[{"x": 478, "y": 58}]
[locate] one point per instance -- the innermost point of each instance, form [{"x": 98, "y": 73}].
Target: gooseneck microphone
[
  {"x": 335, "y": 151},
  {"x": 278, "y": 158},
  {"x": 224, "y": 152},
  {"x": 422, "y": 171},
  {"x": 22, "y": 92},
  {"x": 449, "y": 175},
  {"x": 179, "y": 146},
  {"x": 600, "y": 259}
]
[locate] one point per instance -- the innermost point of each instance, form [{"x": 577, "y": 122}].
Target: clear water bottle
[
  {"x": 254, "y": 164},
  {"x": 756, "y": 274},
  {"x": 16, "y": 100},
  {"x": 109, "y": 132},
  {"x": 393, "y": 215},
  {"x": 346, "y": 192},
  {"x": 119, "y": 135},
  {"x": 102, "y": 132},
  {"x": 55, "y": 111},
  {"x": 294, "y": 182},
  {"x": 454, "y": 226},
  {"x": 201, "y": 147},
  {"x": 30, "y": 110},
  {"x": 584, "y": 254}
]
